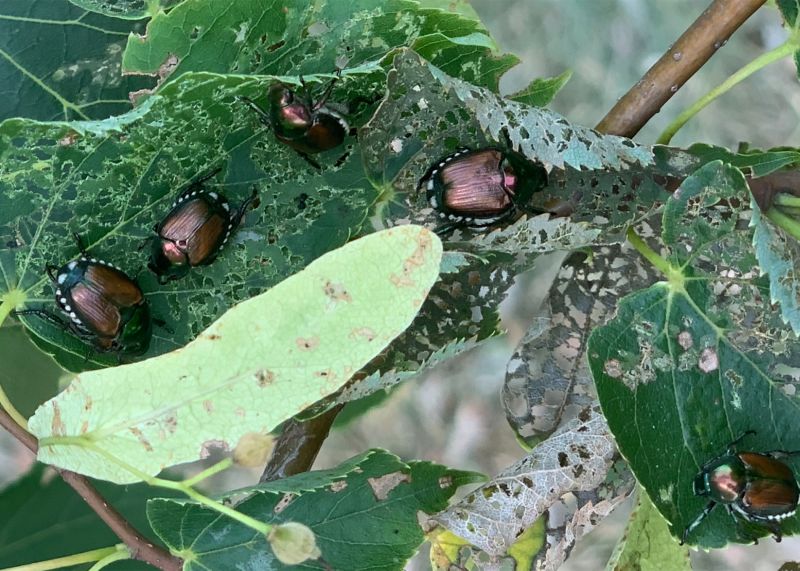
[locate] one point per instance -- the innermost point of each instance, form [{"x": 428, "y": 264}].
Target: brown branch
[
  {"x": 140, "y": 547},
  {"x": 298, "y": 445},
  {"x": 692, "y": 50}
]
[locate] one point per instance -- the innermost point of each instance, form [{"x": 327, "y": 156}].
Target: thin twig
[
  {"x": 140, "y": 547},
  {"x": 692, "y": 50}
]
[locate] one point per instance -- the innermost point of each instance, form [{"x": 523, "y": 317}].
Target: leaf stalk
[
  {"x": 783, "y": 50},
  {"x": 76, "y": 559}
]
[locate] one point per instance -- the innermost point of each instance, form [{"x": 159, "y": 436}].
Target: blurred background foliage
[{"x": 454, "y": 414}]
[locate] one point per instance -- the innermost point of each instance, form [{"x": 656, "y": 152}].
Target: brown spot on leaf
[
  {"x": 339, "y": 486},
  {"x": 208, "y": 405},
  {"x": 613, "y": 368},
  {"x": 326, "y": 374},
  {"x": 336, "y": 292},
  {"x": 709, "y": 361},
  {"x": 363, "y": 332},
  {"x": 171, "y": 423},
  {"x": 685, "y": 340},
  {"x": 401, "y": 280},
  {"x": 57, "y": 426},
  {"x": 84, "y": 427},
  {"x": 168, "y": 66},
  {"x": 87, "y": 406},
  {"x": 141, "y": 438},
  {"x": 307, "y": 343},
  {"x": 264, "y": 377},
  {"x": 445, "y": 482},
  {"x": 68, "y": 139},
  {"x": 284, "y": 502},
  {"x": 213, "y": 337},
  {"x": 383, "y": 485}
]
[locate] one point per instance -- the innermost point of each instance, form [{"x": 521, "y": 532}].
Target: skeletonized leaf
[
  {"x": 576, "y": 458},
  {"x": 60, "y": 62},
  {"x": 689, "y": 364},
  {"x": 364, "y": 514},
  {"x": 126, "y": 9},
  {"x": 265, "y": 360},
  {"x": 779, "y": 256},
  {"x": 548, "y": 381},
  {"x": 297, "y": 37},
  {"x": 111, "y": 181}
]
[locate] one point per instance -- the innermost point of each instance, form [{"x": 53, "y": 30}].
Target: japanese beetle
[
  {"x": 298, "y": 121},
  {"x": 754, "y": 486},
  {"x": 104, "y": 307},
  {"x": 481, "y": 187},
  {"x": 194, "y": 231}
]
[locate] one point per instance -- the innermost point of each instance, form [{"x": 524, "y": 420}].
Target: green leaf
[
  {"x": 261, "y": 363},
  {"x": 126, "y": 9},
  {"x": 295, "y": 37},
  {"x": 28, "y": 377},
  {"x": 44, "y": 518},
  {"x": 646, "y": 544},
  {"x": 779, "y": 256},
  {"x": 363, "y": 513},
  {"x": 758, "y": 163},
  {"x": 112, "y": 181},
  {"x": 789, "y": 10},
  {"x": 689, "y": 364},
  {"x": 60, "y": 62},
  {"x": 541, "y": 91}
]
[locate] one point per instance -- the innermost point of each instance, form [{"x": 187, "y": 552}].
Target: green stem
[
  {"x": 121, "y": 554},
  {"x": 783, "y": 50},
  {"x": 68, "y": 561},
  {"x": 246, "y": 520},
  {"x": 790, "y": 225},
  {"x": 649, "y": 254},
  {"x": 6, "y": 405},
  {"x": 784, "y": 199},
  {"x": 208, "y": 472}
]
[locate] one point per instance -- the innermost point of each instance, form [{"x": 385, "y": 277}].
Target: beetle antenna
[{"x": 79, "y": 243}]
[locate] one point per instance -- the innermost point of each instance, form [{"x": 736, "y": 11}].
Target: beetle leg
[
  {"x": 52, "y": 272},
  {"x": 43, "y": 314},
  {"x": 327, "y": 93},
  {"x": 198, "y": 182},
  {"x": 775, "y": 528},
  {"x": 697, "y": 521},
  {"x": 79, "y": 242},
  {"x": 447, "y": 228},
  {"x": 309, "y": 160},
  {"x": 262, "y": 115},
  {"x": 251, "y": 200},
  {"x": 732, "y": 445}
]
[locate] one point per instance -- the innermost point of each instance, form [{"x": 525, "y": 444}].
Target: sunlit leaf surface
[{"x": 264, "y": 361}]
